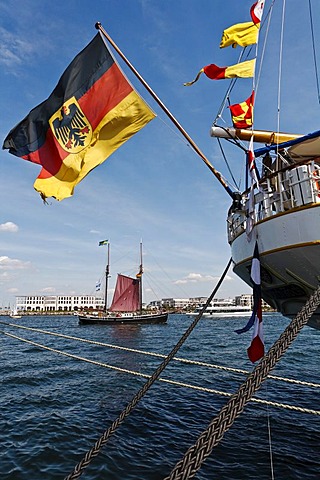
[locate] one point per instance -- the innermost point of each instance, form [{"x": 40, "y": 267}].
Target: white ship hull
[
  {"x": 225, "y": 314},
  {"x": 289, "y": 248}
]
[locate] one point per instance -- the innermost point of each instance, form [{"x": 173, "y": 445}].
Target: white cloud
[
  {"x": 9, "y": 268},
  {"x": 9, "y": 227},
  {"x": 198, "y": 278},
  {"x": 195, "y": 278},
  {"x": 48, "y": 290},
  {"x": 13, "y": 290},
  {"x": 7, "y": 263},
  {"x": 13, "y": 49}
]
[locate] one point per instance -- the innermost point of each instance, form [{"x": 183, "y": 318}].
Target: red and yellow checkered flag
[{"x": 242, "y": 113}]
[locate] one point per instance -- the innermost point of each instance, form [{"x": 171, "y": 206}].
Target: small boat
[
  {"x": 126, "y": 306},
  {"x": 220, "y": 309}
]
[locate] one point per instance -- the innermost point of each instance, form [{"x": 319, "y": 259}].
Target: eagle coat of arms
[{"x": 71, "y": 127}]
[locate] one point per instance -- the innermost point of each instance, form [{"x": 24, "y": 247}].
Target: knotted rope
[{"x": 192, "y": 460}]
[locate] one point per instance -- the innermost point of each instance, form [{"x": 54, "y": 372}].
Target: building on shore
[
  {"x": 246, "y": 300},
  {"x": 58, "y": 303},
  {"x": 75, "y": 303},
  {"x": 188, "y": 304}
]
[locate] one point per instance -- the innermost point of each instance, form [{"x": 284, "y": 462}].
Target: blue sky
[{"x": 154, "y": 187}]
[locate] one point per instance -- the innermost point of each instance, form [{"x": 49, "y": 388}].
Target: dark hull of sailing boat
[{"x": 123, "y": 319}]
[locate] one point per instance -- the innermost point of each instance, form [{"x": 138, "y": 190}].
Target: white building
[
  {"x": 58, "y": 303},
  {"x": 74, "y": 303},
  {"x": 195, "y": 301},
  {"x": 175, "y": 302},
  {"x": 244, "y": 300}
]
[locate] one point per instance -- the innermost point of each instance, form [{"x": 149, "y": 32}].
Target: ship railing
[{"x": 290, "y": 188}]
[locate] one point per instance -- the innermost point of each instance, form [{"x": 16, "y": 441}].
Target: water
[{"x": 54, "y": 408}]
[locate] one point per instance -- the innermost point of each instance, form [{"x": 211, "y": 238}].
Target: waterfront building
[
  {"x": 175, "y": 303},
  {"x": 244, "y": 300},
  {"x": 58, "y": 303},
  {"x": 75, "y": 303}
]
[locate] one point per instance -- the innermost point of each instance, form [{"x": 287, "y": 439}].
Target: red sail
[{"x": 126, "y": 295}]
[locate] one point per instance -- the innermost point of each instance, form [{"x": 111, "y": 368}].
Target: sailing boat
[
  {"x": 280, "y": 210},
  {"x": 126, "y": 306},
  {"x": 15, "y": 314}
]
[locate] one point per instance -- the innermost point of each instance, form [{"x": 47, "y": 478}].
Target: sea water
[{"x": 54, "y": 407}]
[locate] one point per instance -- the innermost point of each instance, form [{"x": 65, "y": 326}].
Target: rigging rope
[
  {"x": 165, "y": 380},
  {"x": 280, "y": 64},
  {"x": 95, "y": 450},
  {"x": 228, "y": 166},
  {"x": 270, "y": 442},
  {"x": 267, "y": 20},
  {"x": 194, "y": 457},
  {"x": 192, "y": 460},
  {"x": 159, "y": 355},
  {"x": 314, "y": 51}
]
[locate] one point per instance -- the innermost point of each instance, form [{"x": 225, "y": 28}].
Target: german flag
[{"x": 91, "y": 112}]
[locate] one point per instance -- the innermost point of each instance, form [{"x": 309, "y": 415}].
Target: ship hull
[
  {"x": 123, "y": 319},
  {"x": 218, "y": 315},
  {"x": 289, "y": 248}
]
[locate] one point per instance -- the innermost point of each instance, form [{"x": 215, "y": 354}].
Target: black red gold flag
[{"x": 91, "y": 112}]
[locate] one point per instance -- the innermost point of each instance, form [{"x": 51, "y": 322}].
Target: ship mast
[
  {"x": 140, "y": 278},
  {"x": 107, "y": 277}
]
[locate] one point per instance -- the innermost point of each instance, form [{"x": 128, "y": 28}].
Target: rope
[
  {"x": 95, "y": 450},
  {"x": 270, "y": 443},
  {"x": 192, "y": 460},
  {"x": 159, "y": 355},
  {"x": 280, "y": 65},
  {"x": 314, "y": 50},
  {"x": 227, "y": 164},
  {"x": 165, "y": 380}
]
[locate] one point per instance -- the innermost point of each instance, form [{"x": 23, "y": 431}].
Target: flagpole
[{"x": 165, "y": 109}]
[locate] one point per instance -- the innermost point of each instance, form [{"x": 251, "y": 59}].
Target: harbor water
[{"x": 54, "y": 407}]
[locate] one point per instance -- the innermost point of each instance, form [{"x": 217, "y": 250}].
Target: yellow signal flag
[
  {"x": 239, "y": 70},
  {"x": 242, "y": 34}
]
